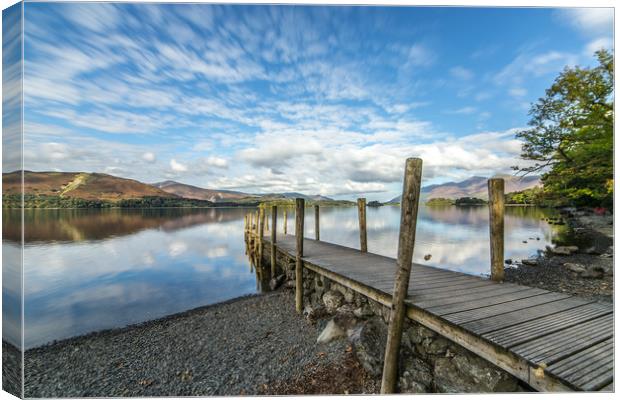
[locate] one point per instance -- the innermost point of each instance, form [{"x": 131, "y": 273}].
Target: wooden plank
[
  {"x": 451, "y": 298},
  {"x": 512, "y": 318},
  {"x": 536, "y": 328},
  {"x": 480, "y": 313},
  {"x": 556, "y": 346},
  {"x": 582, "y": 362},
  {"x": 486, "y": 302}
]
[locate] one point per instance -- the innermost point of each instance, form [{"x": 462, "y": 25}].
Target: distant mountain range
[
  {"x": 109, "y": 188},
  {"x": 475, "y": 186}
]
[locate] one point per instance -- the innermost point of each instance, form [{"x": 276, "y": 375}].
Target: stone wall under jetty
[{"x": 429, "y": 363}]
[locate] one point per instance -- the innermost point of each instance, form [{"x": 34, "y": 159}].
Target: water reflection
[{"x": 87, "y": 270}]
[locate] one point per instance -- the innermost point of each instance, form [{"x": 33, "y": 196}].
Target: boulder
[
  {"x": 508, "y": 261},
  {"x": 368, "y": 340},
  {"x": 416, "y": 377},
  {"x": 332, "y": 300},
  {"x": 330, "y": 332},
  {"x": 363, "y": 312},
  {"x": 530, "y": 261},
  {"x": 574, "y": 267},
  {"x": 470, "y": 374},
  {"x": 593, "y": 271},
  {"x": 313, "y": 313},
  {"x": 564, "y": 250},
  {"x": 416, "y": 334}
]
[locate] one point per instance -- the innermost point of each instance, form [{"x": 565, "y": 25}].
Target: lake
[{"x": 87, "y": 270}]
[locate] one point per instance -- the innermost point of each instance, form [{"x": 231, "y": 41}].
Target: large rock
[
  {"x": 368, "y": 340},
  {"x": 574, "y": 267},
  {"x": 416, "y": 376},
  {"x": 470, "y": 374},
  {"x": 332, "y": 300},
  {"x": 564, "y": 250},
  {"x": 330, "y": 332},
  {"x": 275, "y": 283},
  {"x": 593, "y": 271},
  {"x": 530, "y": 261}
]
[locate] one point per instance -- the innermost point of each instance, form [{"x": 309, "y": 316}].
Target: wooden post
[
  {"x": 274, "y": 220},
  {"x": 299, "y": 236},
  {"x": 496, "y": 223},
  {"x": 361, "y": 213},
  {"x": 406, "y": 241},
  {"x": 285, "y": 221},
  {"x": 261, "y": 232},
  {"x": 317, "y": 234}
]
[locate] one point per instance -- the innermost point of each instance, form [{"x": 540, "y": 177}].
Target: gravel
[{"x": 234, "y": 348}]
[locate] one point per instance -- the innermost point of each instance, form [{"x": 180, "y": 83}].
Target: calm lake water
[{"x": 87, "y": 270}]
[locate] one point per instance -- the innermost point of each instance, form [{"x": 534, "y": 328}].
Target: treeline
[
  {"x": 461, "y": 201},
  {"x": 46, "y": 201}
]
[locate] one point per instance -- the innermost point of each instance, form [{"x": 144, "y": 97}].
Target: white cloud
[
  {"x": 149, "y": 157},
  {"x": 465, "y": 110},
  {"x": 598, "y": 44},
  {"x": 217, "y": 162},
  {"x": 517, "y": 92},
  {"x": 461, "y": 73},
  {"x": 590, "y": 21},
  {"x": 177, "y": 166}
]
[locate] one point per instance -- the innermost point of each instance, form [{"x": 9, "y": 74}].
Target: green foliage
[
  {"x": 571, "y": 135},
  {"x": 439, "y": 201},
  {"x": 469, "y": 201},
  {"x": 532, "y": 196}
]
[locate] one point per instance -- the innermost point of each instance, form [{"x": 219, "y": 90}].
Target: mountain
[
  {"x": 475, "y": 186},
  {"x": 293, "y": 195},
  {"x": 81, "y": 185},
  {"x": 197, "y": 193}
]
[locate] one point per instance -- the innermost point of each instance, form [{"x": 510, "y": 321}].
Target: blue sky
[{"x": 326, "y": 100}]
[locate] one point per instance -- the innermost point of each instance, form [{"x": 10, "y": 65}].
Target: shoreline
[
  {"x": 253, "y": 344},
  {"x": 585, "y": 270}
]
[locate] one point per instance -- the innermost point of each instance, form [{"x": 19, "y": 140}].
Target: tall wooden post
[
  {"x": 361, "y": 213},
  {"x": 261, "y": 232},
  {"x": 299, "y": 236},
  {"x": 285, "y": 221},
  {"x": 406, "y": 241},
  {"x": 317, "y": 234},
  {"x": 274, "y": 224},
  {"x": 496, "y": 223}
]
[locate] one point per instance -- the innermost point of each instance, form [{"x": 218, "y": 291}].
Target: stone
[
  {"x": 530, "y": 261},
  {"x": 416, "y": 377},
  {"x": 437, "y": 346},
  {"x": 312, "y": 313},
  {"x": 368, "y": 339},
  {"x": 290, "y": 284},
  {"x": 564, "y": 250},
  {"x": 275, "y": 283},
  {"x": 508, "y": 261},
  {"x": 574, "y": 267},
  {"x": 593, "y": 271},
  {"x": 349, "y": 296},
  {"x": 330, "y": 332},
  {"x": 448, "y": 379},
  {"x": 418, "y": 333},
  {"x": 485, "y": 375},
  {"x": 363, "y": 312},
  {"x": 332, "y": 300},
  {"x": 346, "y": 309}
]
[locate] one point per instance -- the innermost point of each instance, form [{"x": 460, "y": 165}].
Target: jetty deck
[{"x": 552, "y": 341}]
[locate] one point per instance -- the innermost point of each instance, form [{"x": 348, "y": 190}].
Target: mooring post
[
  {"x": 261, "y": 232},
  {"x": 299, "y": 236},
  {"x": 496, "y": 227},
  {"x": 406, "y": 241},
  {"x": 274, "y": 224},
  {"x": 361, "y": 213},
  {"x": 317, "y": 234},
  {"x": 285, "y": 221}
]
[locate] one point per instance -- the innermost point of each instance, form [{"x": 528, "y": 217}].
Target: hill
[
  {"x": 198, "y": 193},
  {"x": 83, "y": 185},
  {"x": 293, "y": 195},
  {"x": 475, "y": 186}
]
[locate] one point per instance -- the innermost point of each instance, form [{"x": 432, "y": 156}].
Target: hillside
[
  {"x": 475, "y": 186},
  {"x": 82, "y": 185},
  {"x": 197, "y": 193}
]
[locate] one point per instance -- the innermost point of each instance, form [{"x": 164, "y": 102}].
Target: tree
[{"x": 570, "y": 135}]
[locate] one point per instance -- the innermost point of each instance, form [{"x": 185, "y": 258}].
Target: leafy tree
[{"x": 570, "y": 137}]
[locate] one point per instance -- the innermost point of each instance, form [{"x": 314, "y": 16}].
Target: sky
[{"x": 318, "y": 100}]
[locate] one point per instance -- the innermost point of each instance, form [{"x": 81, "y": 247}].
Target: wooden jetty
[{"x": 551, "y": 341}]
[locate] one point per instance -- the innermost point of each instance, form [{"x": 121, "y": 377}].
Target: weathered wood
[
  {"x": 285, "y": 222},
  {"x": 274, "y": 225},
  {"x": 361, "y": 213},
  {"x": 496, "y": 223},
  {"x": 317, "y": 234},
  {"x": 406, "y": 241},
  {"x": 261, "y": 233},
  {"x": 299, "y": 236}
]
